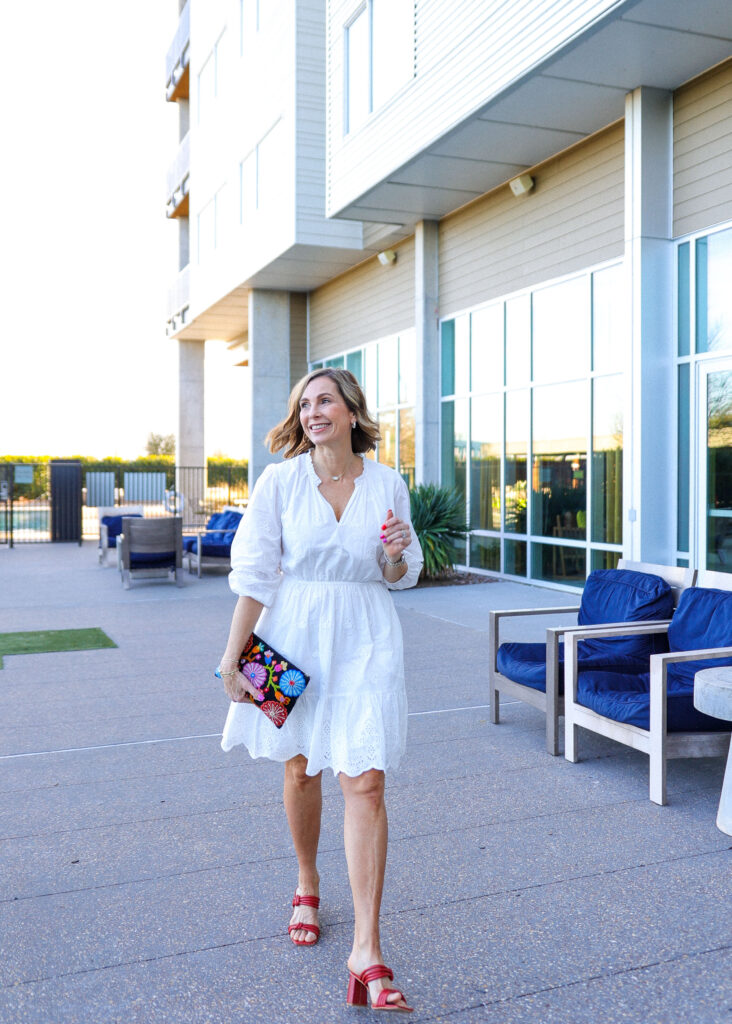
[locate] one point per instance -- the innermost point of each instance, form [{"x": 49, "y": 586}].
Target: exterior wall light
[
  {"x": 521, "y": 185},
  {"x": 386, "y": 257}
]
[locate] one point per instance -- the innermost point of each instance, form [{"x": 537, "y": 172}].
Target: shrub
[{"x": 438, "y": 518}]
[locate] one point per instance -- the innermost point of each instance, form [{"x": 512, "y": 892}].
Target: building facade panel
[
  {"x": 371, "y": 301},
  {"x": 478, "y": 48},
  {"x": 572, "y": 219},
  {"x": 703, "y": 152}
]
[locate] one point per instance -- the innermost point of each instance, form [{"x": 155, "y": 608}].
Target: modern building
[{"x": 513, "y": 222}]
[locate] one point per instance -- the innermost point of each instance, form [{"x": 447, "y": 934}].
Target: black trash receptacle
[{"x": 65, "y": 500}]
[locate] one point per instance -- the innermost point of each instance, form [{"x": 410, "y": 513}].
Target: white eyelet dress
[{"x": 327, "y": 610}]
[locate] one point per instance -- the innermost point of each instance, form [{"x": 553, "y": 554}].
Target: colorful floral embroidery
[
  {"x": 292, "y": 682},
  {"x": 256, "y": 674},
  {"x": 274, "y": 711}
]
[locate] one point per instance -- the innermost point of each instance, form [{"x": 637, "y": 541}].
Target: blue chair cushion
[
  {"x": 623, "y": 595},
  {"x": 114, "y": 527},
  {"x": 189, "y": 543},
  {"x": 625, "y": 697},
  {"x": 703, "y": 619},
  {"x": 211, "y": 549},
  {"x": 156, "y": 560},
  {"x": 526, "y": 663}
]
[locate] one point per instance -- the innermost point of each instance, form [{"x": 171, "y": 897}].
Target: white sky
[{"x": 87, "y": 252}]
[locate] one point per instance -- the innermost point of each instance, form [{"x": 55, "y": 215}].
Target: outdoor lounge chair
[
  {"x": 534, "y": 672},
  {"x": 151, "y": 548},
  {"x": 212, "y": 545},
  {"x": 652, "y": 709},
  {"x": 110, "y": 526}
]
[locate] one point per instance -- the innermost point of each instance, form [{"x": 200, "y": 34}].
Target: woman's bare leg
[
  {"x": 365, "y": 833},
  {"x": 303, "y": 805}
]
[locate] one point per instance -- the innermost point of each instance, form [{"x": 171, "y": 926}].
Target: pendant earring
[{"x": 353, "y": 425}]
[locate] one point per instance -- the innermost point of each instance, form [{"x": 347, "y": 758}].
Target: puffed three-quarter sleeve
[
  {"x": 412, "y": 553},
  {"x": 257, "y": 547}
]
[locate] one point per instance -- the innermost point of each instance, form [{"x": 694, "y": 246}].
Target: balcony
[
  {"x": 178, "y": 58},
  {"x": 178, "y": 300},
  {"x": 178, "y": 179}
]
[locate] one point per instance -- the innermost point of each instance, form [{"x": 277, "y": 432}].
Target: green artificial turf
[{"x": 43, "y": 641}]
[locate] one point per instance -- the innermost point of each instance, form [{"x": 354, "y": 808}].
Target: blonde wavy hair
[{"x": 289, "y": 433}]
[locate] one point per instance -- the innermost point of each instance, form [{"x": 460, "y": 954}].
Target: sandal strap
[
  {"x": 375, "y": 972},
  {"x": 305, "y": 901},
  {"x": 301, "y": 927},
  {"x": 383, "y": 996}
]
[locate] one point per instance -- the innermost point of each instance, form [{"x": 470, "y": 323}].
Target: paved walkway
[{"x": 146, "y": 877}]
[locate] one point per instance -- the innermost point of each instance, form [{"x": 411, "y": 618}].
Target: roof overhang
[{"x": 570, "y": 96}]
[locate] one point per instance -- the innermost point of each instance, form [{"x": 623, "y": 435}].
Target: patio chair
[
  {"x": 151, "y": 548},
  {"x": 534, "y": 672},
  {"x": 110, "y": 526},
  {"x": 652, "y": 709},
  {"x": 212, "y": 545}
]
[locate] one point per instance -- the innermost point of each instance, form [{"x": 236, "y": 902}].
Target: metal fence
[{"x": 62, "y": 501}]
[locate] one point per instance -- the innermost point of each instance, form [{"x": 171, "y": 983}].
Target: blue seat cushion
[
  {"x": 152, "y": 560},
  {"x": 526, "y": 663},
  {"x": 210, "y": 549},
  {"x": 702, "y": 620},
  {"x": 626, "y": 697},
  {"x": 114, "y": 527},
  {"x": 623, "y": 595}
]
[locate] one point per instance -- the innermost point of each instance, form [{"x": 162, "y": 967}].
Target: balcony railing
[
  {"x": 178, "y": 177},
  {"x": 176, "y": 62}
]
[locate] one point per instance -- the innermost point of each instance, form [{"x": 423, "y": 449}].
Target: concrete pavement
[{"x": 146, "y": 877}]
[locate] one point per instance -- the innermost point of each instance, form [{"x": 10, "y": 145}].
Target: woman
[{"x": 325, "y": 534}]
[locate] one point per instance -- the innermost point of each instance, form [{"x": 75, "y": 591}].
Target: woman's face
[{"x": 324, "y": 415}]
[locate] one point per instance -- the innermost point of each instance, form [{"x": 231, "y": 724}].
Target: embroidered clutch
[{"x": 278, "y": 682}]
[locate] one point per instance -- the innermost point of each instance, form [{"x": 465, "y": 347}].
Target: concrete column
[
  {"x": 269, "y": 372},
  {"x": 426, "y": 313},
  {"x": 189, "y": 449},
  {"x": 650, "y": 427}
]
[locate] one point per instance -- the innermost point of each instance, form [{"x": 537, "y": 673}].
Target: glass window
[
  {"x": 336, "y": 361},
  {"x": 206, "y": 86},
  {"x": 713, "y": 296},
  {"x": 684, "y": 456},
  {"x": 485, "y": 553},
  {"x": 358, "y": 85},
  {"x": 392, "y": 48},
  {"x": 388, "y": 371},
  {"x": 556, "y": 563},
  {"x": 560, "y": 327},
  {"x": 486, "y": 348},
  {"x": 354, "y": 363},
  {"x": 248, "y": 187},
  {"x": 407, "y": 368},
  {"x": 719, "y": 471},
  {"x": 518, "y": 340},
  {"x": 406, "y": 446},
  {"x": 454, "y": 444},
  {"x": 517, "y": 448},
  {"x": 272, "y": 168},
  {"x": 370, "y": 376},
  {"x": 514, "y": 557},
  {"x": 485, "y": 462},
  {"x": 206, "y": 223},
  {"x": 605, "y": 559},
  {"x": 683, "y": 300},
  {"x": 608, "y": 320},
  {"x": 387, "y": 445},
  {"x": 559, "y": 499},
  {"x": 456, "y": 356},
  {"x": 607, "y": 460}
]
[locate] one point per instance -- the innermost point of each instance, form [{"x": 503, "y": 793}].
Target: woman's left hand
[{"x": 395, "y": 536}]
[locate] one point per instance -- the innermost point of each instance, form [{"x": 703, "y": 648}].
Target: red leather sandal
[
  {"x": 358, "y": 990},
  {"x": 305, "y": 901}
]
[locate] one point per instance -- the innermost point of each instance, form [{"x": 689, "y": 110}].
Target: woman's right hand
[{"x": 236, "y": 685}]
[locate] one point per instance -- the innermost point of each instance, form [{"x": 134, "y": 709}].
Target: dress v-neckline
[{"x": 317, "y": 481}]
